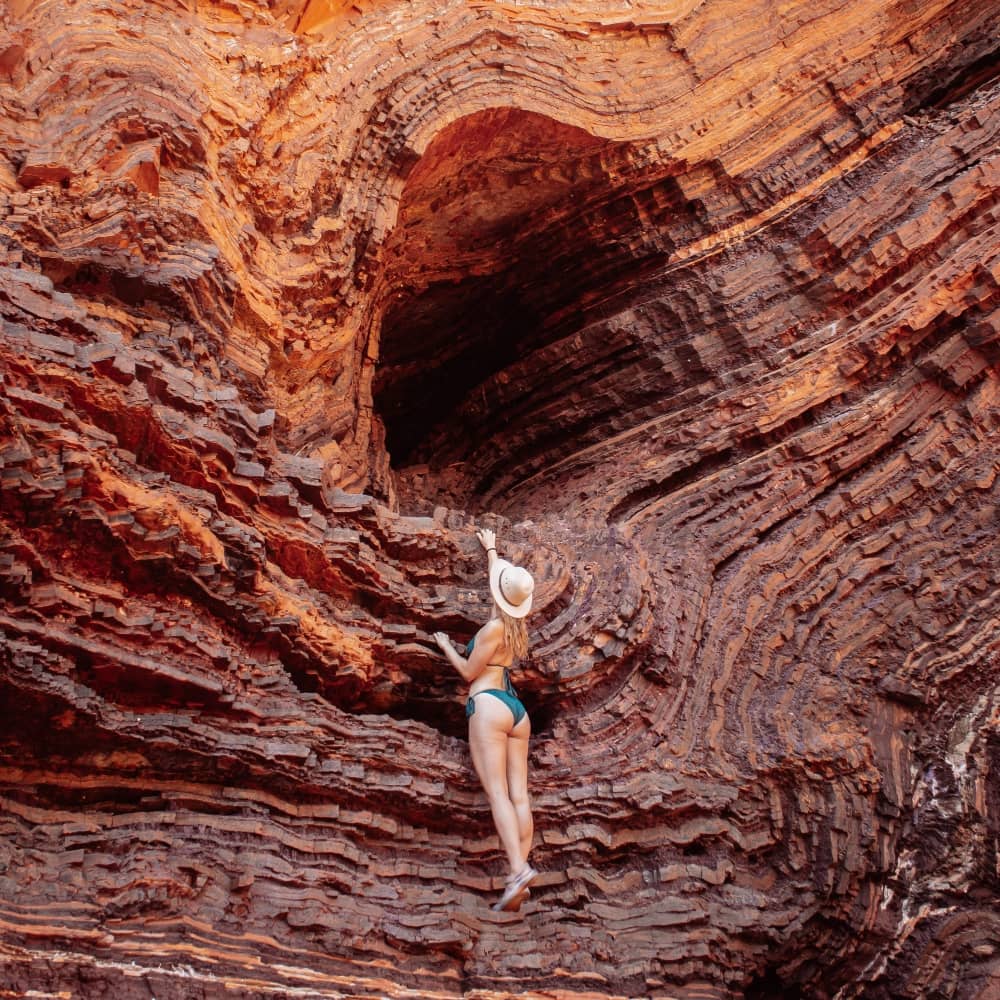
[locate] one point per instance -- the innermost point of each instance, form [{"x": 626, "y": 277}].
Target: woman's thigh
[
  {"x": 517, "y": 760},
  {"x": 489, "y": 725}
]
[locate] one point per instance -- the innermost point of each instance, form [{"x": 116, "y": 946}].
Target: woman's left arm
[{"x": 489, "y": 637}]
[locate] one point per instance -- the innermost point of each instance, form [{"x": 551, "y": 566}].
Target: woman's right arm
[{"x": 488, "y": 539}]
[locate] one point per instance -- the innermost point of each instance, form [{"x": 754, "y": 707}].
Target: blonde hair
[{"x": 515, "y": 634}]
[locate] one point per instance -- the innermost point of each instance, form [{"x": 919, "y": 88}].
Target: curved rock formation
[{"x": 695, "y": 301}]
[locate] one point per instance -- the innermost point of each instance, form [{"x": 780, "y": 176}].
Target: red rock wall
[{"x": 695, "y": 302}]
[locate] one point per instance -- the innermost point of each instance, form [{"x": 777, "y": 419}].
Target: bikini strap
[{"x": 508, "y": 685}]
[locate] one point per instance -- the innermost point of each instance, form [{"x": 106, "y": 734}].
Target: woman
[{"x": 499, "y": 727}]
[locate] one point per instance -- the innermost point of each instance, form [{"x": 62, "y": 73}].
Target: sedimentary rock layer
[{"x": 696, "y": 303}]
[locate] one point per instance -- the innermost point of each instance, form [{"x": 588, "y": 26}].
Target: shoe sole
[{"x": 514, "y": 903}]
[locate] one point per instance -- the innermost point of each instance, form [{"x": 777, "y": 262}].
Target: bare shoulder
[{"x": 492, "y": 631}]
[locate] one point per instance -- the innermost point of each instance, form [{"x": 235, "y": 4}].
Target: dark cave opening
[
  {"x": 502, "y": 242},
  {"x": 768, "y": 985},
  {"x": 522, "y": 312},
  {"x": 470, "y": 332}
]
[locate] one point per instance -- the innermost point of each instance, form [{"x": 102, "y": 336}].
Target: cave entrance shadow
[
  {"x": 484, "y": 267},
  {"x": 769, "y": 986}
]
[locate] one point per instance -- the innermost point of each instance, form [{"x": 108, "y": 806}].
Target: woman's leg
[
  {"x": 488, "y": 728},
  {"x": 517, "y": 782}
]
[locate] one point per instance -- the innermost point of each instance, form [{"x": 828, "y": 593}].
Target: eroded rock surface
[{"x": 695, "y": 302}]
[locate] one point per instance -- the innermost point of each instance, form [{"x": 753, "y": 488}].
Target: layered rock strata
[{"x": 696, "y": 303}]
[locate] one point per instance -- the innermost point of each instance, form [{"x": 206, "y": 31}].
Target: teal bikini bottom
[
  {"x": 508, "y": 695},
  {"x": 510, "y": 700}
]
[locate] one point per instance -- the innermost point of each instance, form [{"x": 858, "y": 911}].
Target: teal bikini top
[{"x": 507, "y": 684}]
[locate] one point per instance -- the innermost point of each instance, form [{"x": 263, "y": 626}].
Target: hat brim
[{"x": 514, "y": 610}]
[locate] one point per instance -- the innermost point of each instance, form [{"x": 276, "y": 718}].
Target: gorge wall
[{"x": 694, "y": 301}]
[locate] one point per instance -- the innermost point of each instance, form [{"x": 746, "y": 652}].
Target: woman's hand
[
  {"x": 487, "y": 538},
  {"x": 444, "y": 643}
]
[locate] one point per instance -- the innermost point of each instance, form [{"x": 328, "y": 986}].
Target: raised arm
[
  {"x": 490, "y": 636},
  {"x": 488, "y": 539}
]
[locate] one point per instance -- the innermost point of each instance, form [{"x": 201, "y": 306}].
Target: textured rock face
[{"x": 695, "y": 302}]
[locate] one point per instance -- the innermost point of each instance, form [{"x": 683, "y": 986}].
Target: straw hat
[{"x": 511, "y": 587}]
